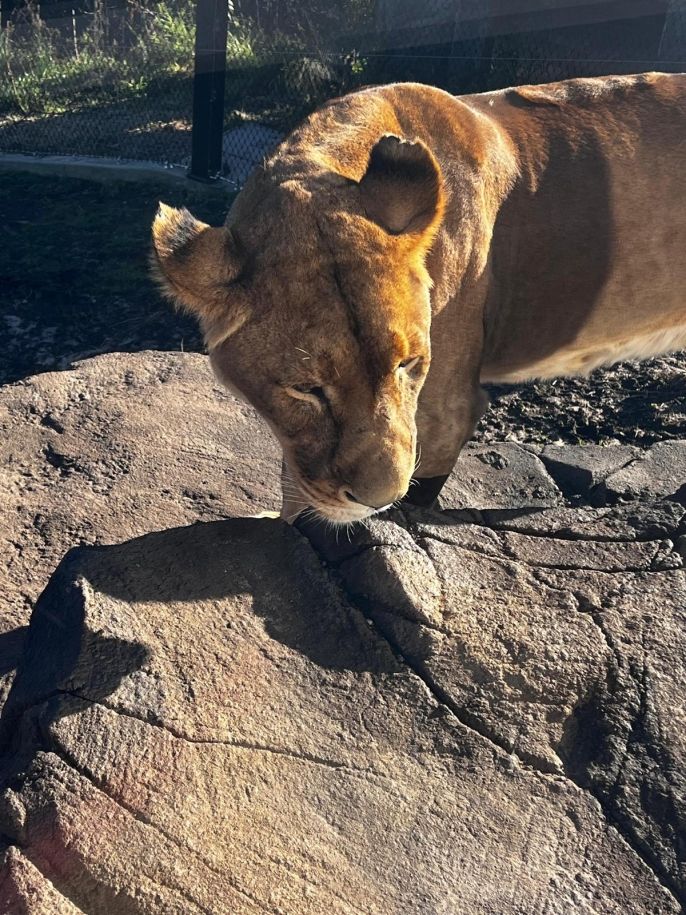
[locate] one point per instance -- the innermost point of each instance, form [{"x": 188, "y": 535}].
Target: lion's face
[
  {"x": 336, "y": 381},
  {"x": 319, "y": 316}
]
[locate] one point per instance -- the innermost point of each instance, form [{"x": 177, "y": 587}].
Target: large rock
[
  {"x": 202, "y": 723},
  {"x": 499, "y": 475},
  {"x": 120, "y": 445},
  {"x": 561, "y": 647},
  {"x": 476, "y": 710},
  {"x": 659, "y": 473}
]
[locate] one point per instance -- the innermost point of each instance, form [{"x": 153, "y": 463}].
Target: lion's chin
[
  {"x": 345, "y": 514},
  {"x": 331, "y": 514}
]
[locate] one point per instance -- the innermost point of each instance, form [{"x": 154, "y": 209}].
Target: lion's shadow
[{"x": 273, "y": 567}]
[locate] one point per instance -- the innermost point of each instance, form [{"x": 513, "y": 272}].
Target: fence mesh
[{"x": 115, "y": 80}]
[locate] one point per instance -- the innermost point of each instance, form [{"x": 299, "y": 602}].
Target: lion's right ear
[
  {"x": 402, "y": 189},
  {"x": 194, "y": 263}
]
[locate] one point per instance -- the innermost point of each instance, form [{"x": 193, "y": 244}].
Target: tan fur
[{"x": 505, "y": 236}]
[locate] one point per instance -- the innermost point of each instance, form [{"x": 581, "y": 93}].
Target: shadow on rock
[
  {"x": 61, "y": 654},
  {"x": 266, "y": 561},
  {"x": 11, "y": 648},
  {"x": 112, "y": 613}
]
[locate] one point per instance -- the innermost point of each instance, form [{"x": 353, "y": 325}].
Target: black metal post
[
  {"x": 211, "y": 24},
  {"x": 6, "y": 10}
]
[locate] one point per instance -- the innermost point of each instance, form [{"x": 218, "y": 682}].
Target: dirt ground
[
  {"x": 74, "y": 282},
  {"x": 632, "y": 402}
]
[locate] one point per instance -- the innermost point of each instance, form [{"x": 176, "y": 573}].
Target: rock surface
[
  {"x": 500, "y": 476},
  {"x": 579, "y": 469},
  {"x": 473, "y": 710},
  {"x": 118, "y": 446},
  {"x": 660, "y": 472}
]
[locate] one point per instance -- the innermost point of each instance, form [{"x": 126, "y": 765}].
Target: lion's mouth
[
  {"x": 340, "y": 514},
  {"x": 321, "y": 500}
]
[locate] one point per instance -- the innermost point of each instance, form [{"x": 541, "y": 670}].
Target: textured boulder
[
  {"x": 473, "y": 710},
  {"x": 120, "y": 445},
  {"x": 579, "y": 469},
  {"x": 659, "y": 473},
  {"x": 502, "y": 475},
  {"x": 23, "y": 889},
  {"x": 564, "y": 648},
  {"x": 203, "y": 723}
]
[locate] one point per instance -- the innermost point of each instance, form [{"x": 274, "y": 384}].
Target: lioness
[{"x": 403, "y": 245}]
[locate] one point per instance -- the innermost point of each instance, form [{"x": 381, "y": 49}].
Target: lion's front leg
[
  {"x": 442, "y": 431},
  {"x": 425, "y": 490}
]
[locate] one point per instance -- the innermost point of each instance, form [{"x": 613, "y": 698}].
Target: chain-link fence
[
  {"x": 102, "y": 80},
  {"x": 116, "y": 79}
]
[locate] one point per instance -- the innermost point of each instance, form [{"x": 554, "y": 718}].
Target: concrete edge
[{"x": 101, "y": 169}]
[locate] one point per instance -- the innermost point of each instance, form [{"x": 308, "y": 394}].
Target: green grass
[
  {"x": 134, "y": 51},
  {"x": 46, "y": 72},
  {"x": 119, "y": 81},
  {"x": 74, "y": 276}
]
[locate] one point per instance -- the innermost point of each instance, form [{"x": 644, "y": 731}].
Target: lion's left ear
[
  {"x": 194, "y": 263},
  {"x": 402, "y": 189}
]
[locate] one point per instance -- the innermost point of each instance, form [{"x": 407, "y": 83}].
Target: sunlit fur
[{"x": 338, "y": 302}]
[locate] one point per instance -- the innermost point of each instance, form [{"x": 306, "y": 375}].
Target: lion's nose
[{"x": 376, "y": 503}]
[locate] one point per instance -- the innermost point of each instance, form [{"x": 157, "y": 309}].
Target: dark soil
[
  {"x": 74, "y": 282},
  {"x": 74, "y": 277},
  {"x": 638, "y": 403}
]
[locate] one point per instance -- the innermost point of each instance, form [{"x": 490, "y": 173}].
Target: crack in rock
[
  {"x": 234, "y": 743},
  {"x": 373, "y": 578},
  {"x": 613, "y": 816}
]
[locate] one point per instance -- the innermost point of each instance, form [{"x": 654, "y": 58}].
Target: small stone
[
  {"x": 500, "y": 476},
  {"x": 660, "y": 473}
]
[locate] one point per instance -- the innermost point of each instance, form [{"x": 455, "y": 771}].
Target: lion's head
[{"x": 314, "y": 302}]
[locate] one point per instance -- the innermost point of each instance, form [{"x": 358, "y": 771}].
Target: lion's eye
[
  {"x": 313, "y": 393},
  {"x": 408, "y": 364},
  {"x": 306, "y": 389}
]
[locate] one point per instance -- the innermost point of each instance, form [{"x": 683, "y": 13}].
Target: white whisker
[
  {"x": 292, "y": 492},
  {"x": 419, "y": 460},
  {"x": 296, "y": 514}
]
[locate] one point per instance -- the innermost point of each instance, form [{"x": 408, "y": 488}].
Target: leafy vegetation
[
  {"x": 112, "y": 54},
  {"x": 99, "y": 57}
]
